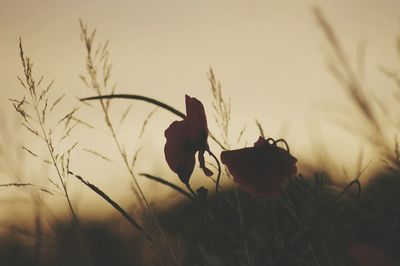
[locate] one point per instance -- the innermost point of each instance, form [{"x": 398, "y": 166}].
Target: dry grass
[{"x": 311, "y": 222}]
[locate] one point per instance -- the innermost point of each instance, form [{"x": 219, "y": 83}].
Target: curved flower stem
[
  {"x": 194, "y": 194},
  {"x": 152, "y": 101},
  {"x": 284, "y": 142},
  {"x": 213, "y": 219},
  {"x": 219, "y": 170}
]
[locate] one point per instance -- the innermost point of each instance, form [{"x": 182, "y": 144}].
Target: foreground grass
[{"x": 306, "y": 225}]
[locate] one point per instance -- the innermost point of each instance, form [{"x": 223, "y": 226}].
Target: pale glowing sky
[{"x": 269, "y": 56}]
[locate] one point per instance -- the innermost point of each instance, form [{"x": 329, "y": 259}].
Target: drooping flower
[
  {"x": 185, "y": 138},
  {"x": 365, "y": 255},
  {"x": 261, "y": 169}
]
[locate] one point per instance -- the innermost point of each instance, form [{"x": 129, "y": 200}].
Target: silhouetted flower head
[
  {"x": 261, "y": 169},
  {"x": 365, "y": 255},
  {"x": 185, "y": 138}
]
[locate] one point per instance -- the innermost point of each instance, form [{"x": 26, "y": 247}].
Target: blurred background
[{"x": 270, "y": 57}]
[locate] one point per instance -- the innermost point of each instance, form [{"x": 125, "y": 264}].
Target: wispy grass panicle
[
  {"x": 35, "y": 113},
  {"x": 40, "y": 116},
  {"x": 221, "y": 106},
  {"x": 371, "y": 113},
  {"x": 343, "y": 71},
  {"x": 98, "y": 78}
]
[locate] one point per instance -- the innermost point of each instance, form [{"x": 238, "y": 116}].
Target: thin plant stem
[
  {"x": 239, "y": 208},
  {"x": 214, "y": 221},
  {"x": 219, "y": 170},
  {"x": 64, "y": 186},
  {"x": 192, "y": 192},
  {"x": 32, "y": 88}
]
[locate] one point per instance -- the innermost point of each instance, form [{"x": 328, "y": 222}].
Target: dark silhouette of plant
[
  {"x": 185, "y": 138},
  {"x": 261, "y": 169}
]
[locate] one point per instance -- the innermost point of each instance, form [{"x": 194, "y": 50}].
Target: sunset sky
[{"x": 270, "y": 57}]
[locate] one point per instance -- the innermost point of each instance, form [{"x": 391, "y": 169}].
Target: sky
[{"x": 270, "y": 57}]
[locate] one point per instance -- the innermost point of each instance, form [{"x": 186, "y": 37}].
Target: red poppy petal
[
  {"x": 179, "y": 152},
  {"x": 185, "y": 138},
  {"x": 195, "y": 111},
  {"x": 197, "y": 122},
  {"x": 260, "y": 169},
  {"x": 286, "y": 163},
  {"x": 253, "y": 170},
  {"x": 261, "y": 142}
]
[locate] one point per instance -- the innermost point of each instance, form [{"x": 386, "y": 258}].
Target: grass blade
[{"x": 115, "y": 205}]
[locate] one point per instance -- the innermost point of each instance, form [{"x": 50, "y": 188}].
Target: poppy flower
[
  {"x": 365, "y": 255},
  {"x": 261, "y": 169},
  {"x": 185, "y": 138}
]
